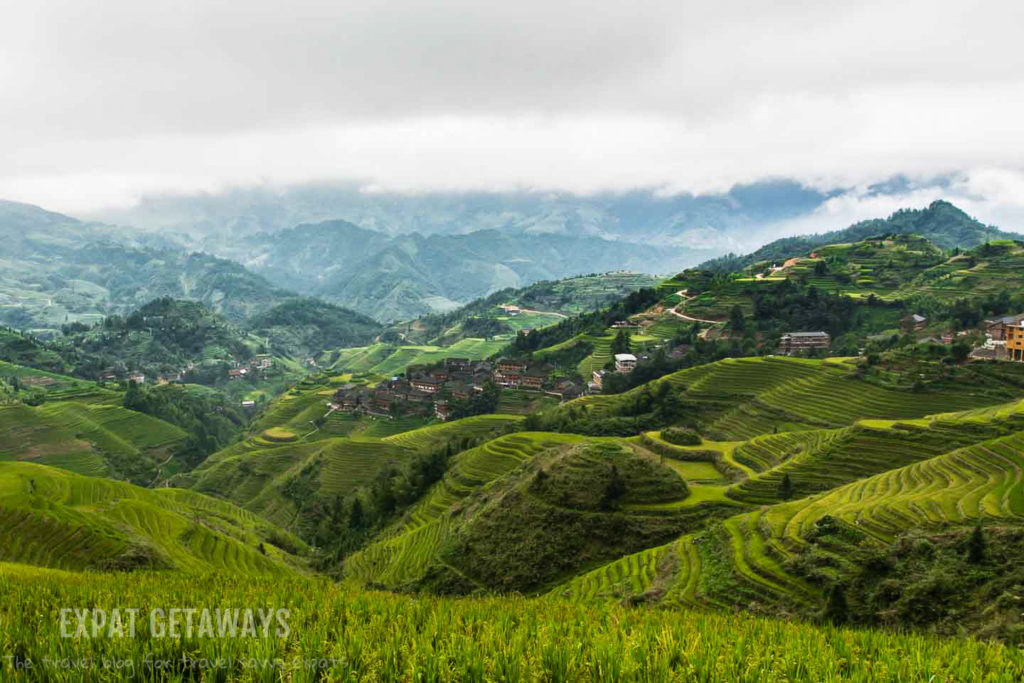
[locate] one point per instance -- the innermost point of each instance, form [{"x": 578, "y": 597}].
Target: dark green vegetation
[
  {"x": 305, "y": 327},
  {"x": 543, "y": 303}
]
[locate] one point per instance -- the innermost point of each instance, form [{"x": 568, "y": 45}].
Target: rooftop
[{"x": 625, "y": 357}]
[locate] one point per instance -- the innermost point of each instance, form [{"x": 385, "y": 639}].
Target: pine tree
[
  {"x": 976, "y": 545},
  {"x": 785, "y": 487},
  {"x": 356, "y": 517},
  {"x": 837, "y": 610},
  {"x": 620, "y": 344},
  {"x": 614, "y": 489}
]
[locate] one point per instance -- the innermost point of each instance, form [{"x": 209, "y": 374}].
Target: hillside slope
[
  {"x": 53, "y": 518},
  {"x": 941, "y": 223}
]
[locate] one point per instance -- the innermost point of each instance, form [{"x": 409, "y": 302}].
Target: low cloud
[{"x": 104, "y": 103}]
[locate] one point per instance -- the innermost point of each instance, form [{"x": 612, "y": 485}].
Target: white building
[{"x": 625, "y": 362}]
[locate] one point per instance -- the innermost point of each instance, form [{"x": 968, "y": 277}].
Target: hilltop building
[
  {"x": 625, "y": 362},
  {"x": 802, "y": 342},
  {"x": 430, "y": 384}
]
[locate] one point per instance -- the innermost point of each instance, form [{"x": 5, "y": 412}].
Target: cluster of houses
[
  {"x": 429, "y": 390},
  {"x": 258, "y": 364}
]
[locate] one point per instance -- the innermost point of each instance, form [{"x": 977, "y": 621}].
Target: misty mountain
[
  {"x": 404, "y": 276},
  {"x": 714, "y": 221},
  {"x": 55, "y": 269}
]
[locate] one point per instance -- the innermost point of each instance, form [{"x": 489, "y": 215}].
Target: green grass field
[{"x": 383, "y": 637}]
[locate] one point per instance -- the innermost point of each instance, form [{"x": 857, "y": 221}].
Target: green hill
[
  {"x": 940, "y": 223},
  {"x": 524, "y": 510},
  {"x": 95, "y": 439},
  {"x": 739, "y": 398},
  {"x": 305, "y": 327},
  {"x": 299, "y": 458},
  {"x": 53, "y": 518},
  {"x": 542, "y": 304}
]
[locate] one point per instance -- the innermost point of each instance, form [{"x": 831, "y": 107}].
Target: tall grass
[{"x": 385, "y": 637}]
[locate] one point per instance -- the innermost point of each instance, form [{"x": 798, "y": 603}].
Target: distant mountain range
[
  {"x": 404, "y": 276},
  {"x": 722, "y": 222},
  {"x": 57, "y": 269}
]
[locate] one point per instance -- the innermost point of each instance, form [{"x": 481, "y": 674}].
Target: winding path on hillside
[{"x": 690, "y": 318}]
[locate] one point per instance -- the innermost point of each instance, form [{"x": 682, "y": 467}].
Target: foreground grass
[{"x": 384, "y": 637}]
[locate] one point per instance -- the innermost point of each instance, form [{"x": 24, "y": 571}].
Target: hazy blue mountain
[
  {"x": 718, "y": 221},
  {"x": 404, "y": 276},
  {"x": 55, "y": 269}
]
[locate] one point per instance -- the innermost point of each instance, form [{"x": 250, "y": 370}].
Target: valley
[{"x": 710, "y": 472}]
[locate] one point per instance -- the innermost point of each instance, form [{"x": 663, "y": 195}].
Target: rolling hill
[
  {"x": 941, "y": 223},
  {"x": 53, "y": 518}
]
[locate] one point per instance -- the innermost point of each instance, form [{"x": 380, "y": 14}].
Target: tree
[
  {"x": 837, "y": 610},
  {"x": 976, "y": 545},
  {"x": 960, "y": 351},
  {"x": 620, "y": 344},
  {"x": 356, "y": 517},
  {"x": 613, "y": 490},
  {"x": 737, "y": 322},
  {"x": 785, "y": 487}
]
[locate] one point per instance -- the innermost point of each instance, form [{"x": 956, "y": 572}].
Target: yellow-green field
[{"x": 336, "y": 634}]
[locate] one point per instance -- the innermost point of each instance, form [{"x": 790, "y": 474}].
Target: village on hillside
[{"x": 454, "y": 387}]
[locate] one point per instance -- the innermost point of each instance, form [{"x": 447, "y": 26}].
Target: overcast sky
[{"x": 102, "y": 101}]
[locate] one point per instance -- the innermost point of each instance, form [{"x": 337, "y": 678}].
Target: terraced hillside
[
  {"x": 886, "y": 268},
  {"x": 54, "y": 518},
  {"x": 739, "y": 398},
  {"x": 299, "y": 452},
  {"x": 759, "y": 550},
  {"x": 407, "y": 550},
  {"x": 820, "y": 460},
  {"x": 513, "y": 495},
  {"x": 986, "y": 270},
  {"x": 82, "y": 428},
  {"x": 386, "y": 360},
  {"x": 876, "y": 487}
]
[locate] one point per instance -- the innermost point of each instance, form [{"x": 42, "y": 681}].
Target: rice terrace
[{"x": 443, "y": 342}]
